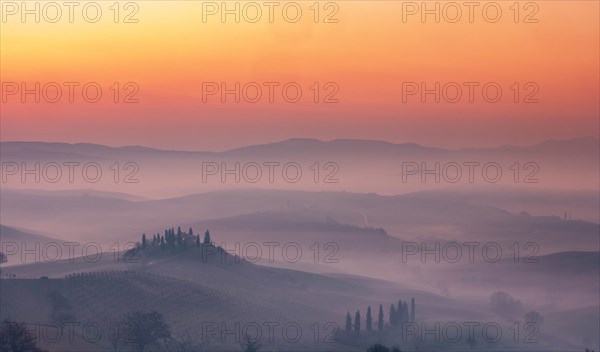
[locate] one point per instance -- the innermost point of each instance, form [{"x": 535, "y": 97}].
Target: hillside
[
  {"x": 15, "y": 242},
  {"x": 433, "y": 215}
]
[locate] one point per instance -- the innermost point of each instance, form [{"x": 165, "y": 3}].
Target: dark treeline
[
  {"x": 172, "y": 239},
  {"x": 135, "y": 331},
  {"x": 377, "y": 325},
  {"x": 398, "y": 314}
]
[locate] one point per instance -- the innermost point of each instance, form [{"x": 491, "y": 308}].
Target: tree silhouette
[
  {"x": 505, "y": 305},
  {"x": 348, "y": 322},
  {"x": 3, "y": 258},
  {"x": 382, "y": 348},
  {"x": 207, "y": 237},
  {"x": 412, "y": 309},
  {"x": 143, "y": 241},
  {"x": 357, "y": 322},
  {"x": 144, "y": 328},
  {"x": 534, "y": 317},
  {"x": 14, "y": 337},
  {"x": 369, "y": 320},
  {"x": 380, "y": 318},
  {"x": 400, "y": 313},
  {"x": 179, "y": 237},
  {"x": 378, "y": 348},
  {"x": 393, "y": 315},
  {"x": 167, "y": 237}
]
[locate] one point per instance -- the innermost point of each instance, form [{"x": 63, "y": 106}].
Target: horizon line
[{"x": 303, "y": 139}]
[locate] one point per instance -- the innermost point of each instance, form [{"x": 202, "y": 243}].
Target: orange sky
[{"x": 366, "y": 55}]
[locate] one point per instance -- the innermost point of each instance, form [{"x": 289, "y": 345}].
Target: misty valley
[
  {"x": 280, "y": 266},
  {"x": 299, "y": 176}
]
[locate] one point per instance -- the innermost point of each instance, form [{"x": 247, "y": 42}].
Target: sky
[{"x": 326, "y": 70}]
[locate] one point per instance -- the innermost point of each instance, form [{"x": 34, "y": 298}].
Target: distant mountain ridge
[
  {"x": 342, "y": 165},
  {"x": 288, "y": 144}
]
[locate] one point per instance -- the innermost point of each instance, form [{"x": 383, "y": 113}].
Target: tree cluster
[
  {"x": 176, "y": 239},
  {"x": 381, "y": 348},
  {"x": 505, "y": 305},
  {"x": 398, "y": 314},
  {"x": 148, "y": 331}
]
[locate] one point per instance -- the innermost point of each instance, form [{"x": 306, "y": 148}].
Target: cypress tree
[
  {"x": 369, "y": 321},
  {"x": 392, "y": 315},
  {"x": 412, "y": 309},
  {"x": 380, "y": 318},
  {"x": 357, "y": 322},
  {"x": 400, "y": 313},
  {"x": 405, "y": 312},
  {"x": 348, "y": 323},
  {"x": 143, "y": 241},
  {"x": 172, "y": 238}
]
